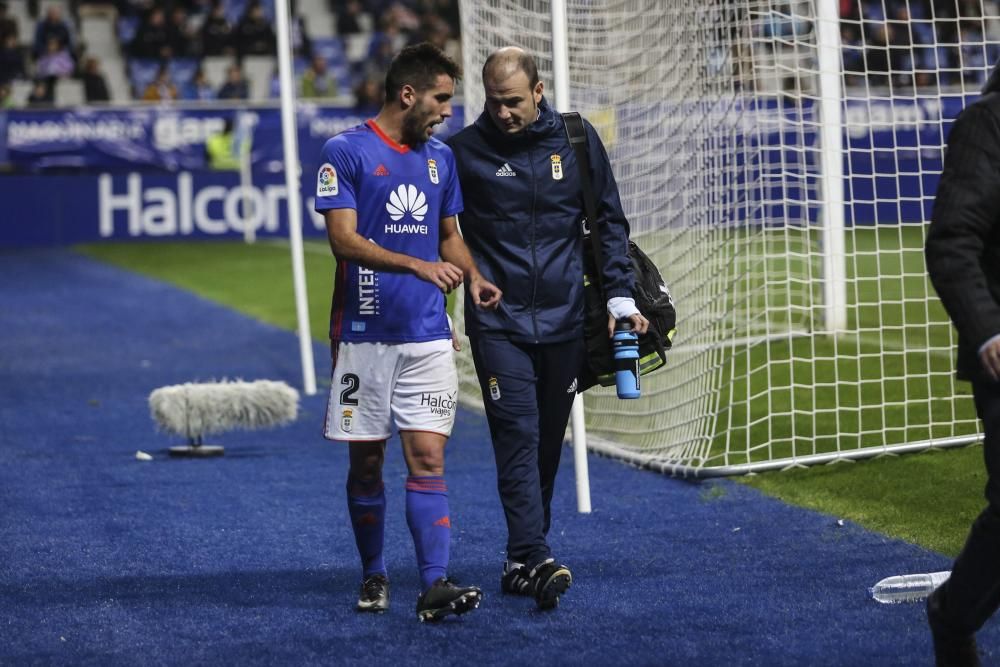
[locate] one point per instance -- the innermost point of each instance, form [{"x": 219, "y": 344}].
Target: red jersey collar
[{"x": 402, "y": 148}]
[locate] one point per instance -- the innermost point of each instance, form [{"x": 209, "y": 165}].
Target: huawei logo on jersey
[{"x": 407, "y": 199}]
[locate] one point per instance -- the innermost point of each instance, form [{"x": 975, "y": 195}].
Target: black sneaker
[
  {"x": 445, "y": 597},
  {"x": 374, "y": 594},
  {"x": 950, "y": 649},
  {"x": 515, "y": 579},
  {"x": 549, "y": 580}
]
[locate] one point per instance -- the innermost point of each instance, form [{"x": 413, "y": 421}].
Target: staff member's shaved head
[{"x": 513, "y": 91}]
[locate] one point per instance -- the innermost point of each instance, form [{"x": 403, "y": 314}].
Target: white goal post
[{"x": 778, "y": 161}]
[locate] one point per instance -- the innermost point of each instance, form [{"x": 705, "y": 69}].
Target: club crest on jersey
[
  {"x": 326, "y": 181},
  {"x": 432, "y": 171},
  {"x": 557, "y": 172},
  {"x": 494, "y": 388},
  {"x": 347, "y": 420}
]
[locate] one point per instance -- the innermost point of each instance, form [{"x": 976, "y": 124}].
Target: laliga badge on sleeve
[
  {"x": 557, "y": 172},
  {"x": 432, "y": 171},
  {"x": 326, "y": 181}
]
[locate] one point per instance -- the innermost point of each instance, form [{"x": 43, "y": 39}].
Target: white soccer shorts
[{"x": 414, "y": 385}]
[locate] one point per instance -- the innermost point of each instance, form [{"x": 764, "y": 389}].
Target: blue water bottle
[{"x": 625, "y": 343}]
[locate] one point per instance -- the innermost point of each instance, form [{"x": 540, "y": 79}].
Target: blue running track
[{"x": 249, "y": 560}]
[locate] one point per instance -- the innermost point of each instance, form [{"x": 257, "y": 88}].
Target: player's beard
[{"x": 415, "y": 126}]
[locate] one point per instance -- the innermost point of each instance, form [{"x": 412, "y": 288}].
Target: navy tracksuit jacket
[{"x": 522, "y": 224}]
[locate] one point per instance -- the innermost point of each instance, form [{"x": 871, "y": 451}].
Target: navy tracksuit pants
[
  {"x": 528, "y": 390},
  {"x": 972, "y": 594}
]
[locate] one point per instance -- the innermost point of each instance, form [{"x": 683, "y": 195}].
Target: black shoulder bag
[{"x": 651, "y": 294}]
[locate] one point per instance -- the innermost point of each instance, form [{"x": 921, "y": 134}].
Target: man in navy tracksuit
[{"x": 523, "y": 224}]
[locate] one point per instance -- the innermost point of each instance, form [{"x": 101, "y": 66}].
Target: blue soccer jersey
[{"x": 400, "y": 194}]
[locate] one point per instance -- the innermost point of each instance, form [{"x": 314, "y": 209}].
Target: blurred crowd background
[
  {"x": 61, "y": 53},
  {"x": 71, "y": 52}
]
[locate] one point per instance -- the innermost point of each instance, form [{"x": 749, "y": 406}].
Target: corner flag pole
[
  {"x": 560, "y": 88},
  {"x": 294, "y": 199}
]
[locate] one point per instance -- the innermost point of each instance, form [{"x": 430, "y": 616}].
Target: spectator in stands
[
  {"x": 349, "y": 17},
  {"x": 877, "y": 65},
  {"x": 52, "y": 26},
  {"x": 95, "y": 87},
  {"x": 134, "y": 7},
  {"x": 180, "y": 35},
  {"x": 42, "y": 93},
  {"x": 6, "y": 96},
  {"x": 152, "y": 40},
  {"x": 235, "y": 87},
  {"x": 368, "y": 95},
  {"x": 254, "y": 35},
  {"x": 446, "y": 10},
  {"x": 199, "y": 88},
  {"x": 317, "y": 80},
  {"x": 852, "y": 55},
  {"x": 56, "y": 61},
  {"x": 216, "y": 33},
  {"x": 301, "y": 44},
  {"x": 12, "y": 64},
  {"x": 8, "y": 26},
  {"x": 162, "y": 88}
]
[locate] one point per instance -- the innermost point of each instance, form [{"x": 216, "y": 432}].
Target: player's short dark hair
[
  {"x": 524, "y": 62},
  {"x": 419, "y": 66}
]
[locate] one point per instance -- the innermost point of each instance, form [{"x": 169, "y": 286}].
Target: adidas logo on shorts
[{"x": 506, "y": 170}]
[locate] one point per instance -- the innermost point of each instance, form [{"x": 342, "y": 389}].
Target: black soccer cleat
[
  {"x": 549, "y": 580},
  {"x": 445, "y": 598},
  {"x": 515, "y": 579},
  {"x": 374, "y": 595}
]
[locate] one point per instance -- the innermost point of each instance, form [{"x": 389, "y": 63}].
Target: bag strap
[{"x": 578, "y": 141}]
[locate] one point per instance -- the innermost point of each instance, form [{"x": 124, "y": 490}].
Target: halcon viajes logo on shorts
[
  {"x": 326, "y": 181},
  {"x": 440, "y": 404},
  {"x": 407, "y": 199}
]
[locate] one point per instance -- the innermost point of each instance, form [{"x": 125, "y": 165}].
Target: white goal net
[{"x": 778, "y": 162}]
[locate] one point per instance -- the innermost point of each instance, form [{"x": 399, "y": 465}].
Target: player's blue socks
[
  {"x": 430, "y": 525},
  {"x": 366, "y": 505}
]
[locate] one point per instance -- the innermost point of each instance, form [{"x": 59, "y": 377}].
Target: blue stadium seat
[
  {"x": 182, "y": 70},
  {"x": 141, "y": 73},
  {"x": 331, "y": 49}
]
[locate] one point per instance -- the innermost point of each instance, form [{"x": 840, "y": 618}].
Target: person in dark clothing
[
  {"x": 254, "y": 35},
  {"x": 42, "y": 93},
  {"x": 53, "y": 25},
  {"x": 94, "y": 84},
  {"x": 152, "y": 40},
  {"x": 216, "y": 33},
  {"x": 523, "y": 225},
  {"x": 963, "y": 261},
  {"x": 8, "y": 26},
  {"x": 235, "y": 87}
]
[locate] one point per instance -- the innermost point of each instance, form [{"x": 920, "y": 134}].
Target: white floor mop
[{"x": 194, "y": 410}]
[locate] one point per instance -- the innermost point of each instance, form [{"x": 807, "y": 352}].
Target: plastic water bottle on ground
[{"x": 907, "y": 587}]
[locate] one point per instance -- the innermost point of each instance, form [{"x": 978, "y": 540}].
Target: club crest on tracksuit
[
  {"x": 346, "y": 420},
  {"x": 494, "y": 388},
  {"x": 432, "y": 171},
  {"x": 557, "y": 171}
]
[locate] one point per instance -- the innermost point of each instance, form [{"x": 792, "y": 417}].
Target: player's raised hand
[
  {"x": 484, "y": 293},
  {"x": 445, "y": 275}
]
